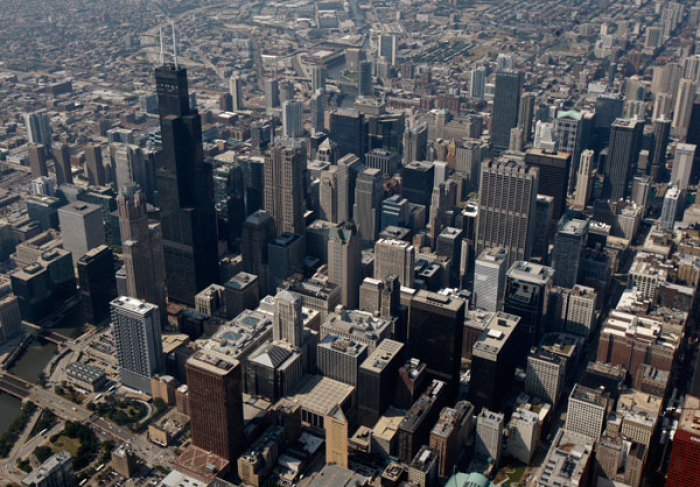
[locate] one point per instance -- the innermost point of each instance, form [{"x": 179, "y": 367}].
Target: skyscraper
[
  {"x": 284, "y": 187},
  {"x": 625, "y": 141},
  {"x": 317, "y": 112},
  {"x": 505, "y": 106},
  {"x": 292, "y": 123},
  {"x": 328, "y": 195},
  {"x": 95, "y": 165},
  {"x": 258, "y": 230},
  {"x": 81, "y": 227},
  {"x": 272, "y": 94},
  {"x": 573, "y": 131},
  {"x": 684, "y": 466},
  {"x": 349, "y": 166},
  {"x": 364, "y": 78},
  {"x": 661, "y": 128},
  {"x": 37, "y": 160},
  {"x": 318, "y": 78},
  {"x": 669, "y": 211},
  {"x": 683, "y": 165},
  {"x": 344, "y": 263},
  {"x": 572, "y": 232},
  {"x": 507, "y": 222},
  {"x": 186, "y": 195},
  {"x": 98, "y": 286},
  {"x": 216, "y": 403},
  {"x": 584, "y": 180},
  {"x": 287, "y": 321},
  {"x": 526, "y": 111},
  {"x": 61, "y": 154},
  {"x": 388, "y": 47},
  {"x": 235, "y": 88},
  {"x": 418, "y": 182},
  {"x": 489, "y": 435},
  {"x": 38, "y": 128},
  {"x": 435, "y": 331},
  {"x": 683, "y": 108},
  {"x": 367, "y": 208},
  {"x": 415, "y": 143},
  {"x": 394, "y": 257},
  {"x": 527, "y": 295},
  {"x": 375, "y": 381},
  {"x": 489, "y": 279},
  {"x": 477, "y": 81},
  {"x": 348, "y": 130},
  {"x": 136, "y": 329},
  {"x": 142, "y": 251},
  {"x": 554, "y": 176}
]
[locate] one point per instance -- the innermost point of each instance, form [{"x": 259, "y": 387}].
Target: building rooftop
[
  {"x": 343, "y": 345},
  {"x": 567, "y": 459},
  {"x": 382, "y": 355},
  {"x": 321, "y": 395},
  {"x": 420, "y": 409},
  {"x": 498, "y": 331},
  {"x": 589, "y": 395},
  {"x": 133, "y": 305},
  {"x": 40, "y": 475},
  {"x": 84, "y": 372},
  {"x": 241, "y": 280},
  {"x": 441, "y": 301},
  {"x": 238, "y": 337},
  {"x": 530, "y": 272}
]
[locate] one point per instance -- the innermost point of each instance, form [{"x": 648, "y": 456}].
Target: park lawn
[
  {"x": 516, "y": 475},
  {"x": 71, "y": 445}
]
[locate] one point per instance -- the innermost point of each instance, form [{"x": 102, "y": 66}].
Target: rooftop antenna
[
  {"x": 172, "y": 25},
  {"x": 160, "y": 32}
]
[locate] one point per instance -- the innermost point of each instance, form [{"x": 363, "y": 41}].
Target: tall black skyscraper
[
  {"x": 187, "y": 214},
  {"x": 625, "y": 141},
  {"x": 506, "y": 101}
]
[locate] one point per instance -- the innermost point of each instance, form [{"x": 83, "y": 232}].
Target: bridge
[
  {"x": 46, "y": 333},
  {"x": 15, "y": 386}
]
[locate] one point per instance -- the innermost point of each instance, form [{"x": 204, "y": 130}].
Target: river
[{"x": 32, "y": 362}]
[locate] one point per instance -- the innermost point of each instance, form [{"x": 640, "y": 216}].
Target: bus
[{"x": 43, "y": 432}]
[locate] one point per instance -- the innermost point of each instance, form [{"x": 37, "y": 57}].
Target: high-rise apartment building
[
  {"x": 142, "y": 251},
  {"x": 587, "y": 411},
  {"x": 505, "y": 106},
  {"x": 136, "y": 329},
  {"x": 216, "y": 403},
  {"x": 544, "y": 376},
  {"x": 344, "y": 259},
  {"x": 489, "y": 435},
  {"x": 367, "y": 209},
  {"x": 507, "y": 222},
  {"x": 185, "y": 191},
  {"x": 394, "y": 257},
  {"x": 284, "y": 188}
]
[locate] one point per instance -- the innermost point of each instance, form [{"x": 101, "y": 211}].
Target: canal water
[{"x": 32, "y": 362}]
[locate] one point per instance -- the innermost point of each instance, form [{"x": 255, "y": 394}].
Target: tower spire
[
  {"x": 160, "y": 33},
  {"x": 172, "y": 25}
]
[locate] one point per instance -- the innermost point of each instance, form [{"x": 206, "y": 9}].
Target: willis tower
[{"x": 185, "y": 190}]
